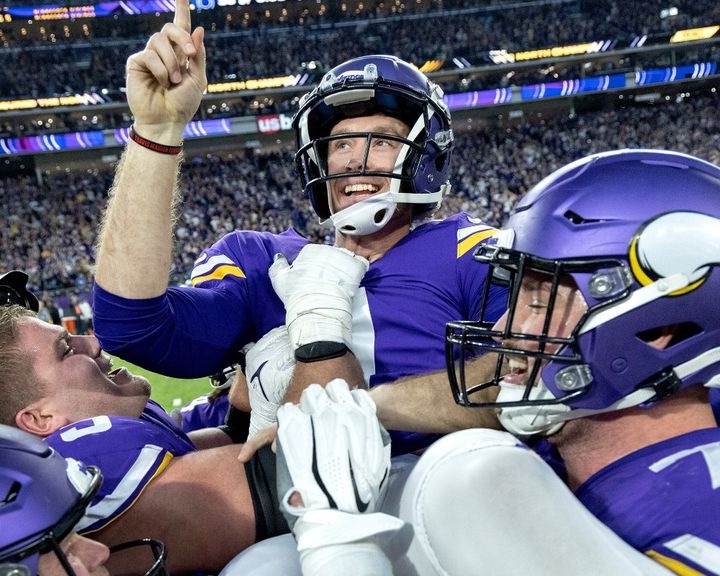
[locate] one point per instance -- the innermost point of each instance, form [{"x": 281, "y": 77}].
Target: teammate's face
[
  {"x": 530, "y": 315},
  {"x": 76, "y": 377},
  {"x": 347, "y": 155},
  {"x": 87, "y": 558}
]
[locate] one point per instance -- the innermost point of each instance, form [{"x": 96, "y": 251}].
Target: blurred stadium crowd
[
  {"x": 258, "y": 190},
  {"x": 58, "y": 58},
  {"x": 49, "y": 222}
]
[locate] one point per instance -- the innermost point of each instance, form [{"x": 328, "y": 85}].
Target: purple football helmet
[
  {"x": 43, "y": 497},
  {"x": 362, "y": 87},
  {"x": 638, "y": 232}
]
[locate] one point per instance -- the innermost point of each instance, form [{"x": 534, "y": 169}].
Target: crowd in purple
[{"x": 48, "y": 228}]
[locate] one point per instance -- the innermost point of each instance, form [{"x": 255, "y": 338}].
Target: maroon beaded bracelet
[{"x": 154, "y": 146}]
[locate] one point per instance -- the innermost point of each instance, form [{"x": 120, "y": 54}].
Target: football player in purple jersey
[
  {"x": 374, "y": 146},
  {"x": 609, "y": 348},
  {"x": 157, "y": 484},
  {"x": 208, "y": 410},
  {"x": 44, "y": 498}
]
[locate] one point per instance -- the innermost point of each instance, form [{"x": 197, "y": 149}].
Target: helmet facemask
[
  {"x": 538, "y": 350},
  {"x": 381, "y": 204},
  {"x": 63, "y": 489},
  {"x": 565, "y": 378},
  {"x": 156, "y": 550},
  {"x": 556, "y": 370},
  {"x": 638, "y": 231},
  {"x": 419, "y": 176}
]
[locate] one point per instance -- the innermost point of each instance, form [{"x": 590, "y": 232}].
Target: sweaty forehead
[{"x": 374, "y": 123}]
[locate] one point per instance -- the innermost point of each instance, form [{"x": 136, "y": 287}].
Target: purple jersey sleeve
[
  {"x": 664, "y": 500},
  {"x": 130, "y": 452},
  {"x": 202, "y": 412},
  {"x": 194, "y": 331}
]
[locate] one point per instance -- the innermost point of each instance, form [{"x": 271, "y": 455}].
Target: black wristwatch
[{"x": 317, "y": 351}]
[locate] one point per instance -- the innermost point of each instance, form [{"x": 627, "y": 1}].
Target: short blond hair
[{"x": 18, "y": 385}]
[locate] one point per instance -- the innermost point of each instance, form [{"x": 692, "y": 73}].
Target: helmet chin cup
[
  {"x": 366, "y": 217},
  {"x": 525, "y": 421}
]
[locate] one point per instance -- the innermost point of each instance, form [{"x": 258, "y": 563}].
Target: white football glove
[
  {"x": 335, "y": 454},
  {"x": 317, "y": 290},
  {"x": 269, "y": 366}
]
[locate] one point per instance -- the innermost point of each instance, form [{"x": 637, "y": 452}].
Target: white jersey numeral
[
  {"x": 99, "y": 424},
  {"x": 711, "y": 455}
]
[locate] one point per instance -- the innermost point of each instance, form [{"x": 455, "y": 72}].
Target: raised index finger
[{"x": 182, "y": 14}]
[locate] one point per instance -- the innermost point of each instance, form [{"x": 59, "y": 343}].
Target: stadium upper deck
[
  {"x": 75, "y": 64},
  {"x": 47, "y": 58}
]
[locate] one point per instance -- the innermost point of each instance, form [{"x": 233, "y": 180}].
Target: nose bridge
[
  {"x": 522, "y": 323},
  {"x": 501, "y": 322},
  {"x": 358, "y": 150},
  {"x": 93, "y": 553},
  {"x": 504, "y": 329},
  {"x": 519, "y": 321},
  {"x": 88, "y": 345},
  {"x": 97, "y": 553}
]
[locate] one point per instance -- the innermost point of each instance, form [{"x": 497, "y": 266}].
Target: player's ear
[
  {"x": 662, "y": 337},
  {"x": 39, "y": 419}
]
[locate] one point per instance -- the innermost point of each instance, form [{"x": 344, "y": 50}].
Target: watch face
[{"x": 316, "y": 351}]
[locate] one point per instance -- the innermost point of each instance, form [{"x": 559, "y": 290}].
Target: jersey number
[
  {"x": 99, "y": 424},
  {"x": 711, "y": 455}
]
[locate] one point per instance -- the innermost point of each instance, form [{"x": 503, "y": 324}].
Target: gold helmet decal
[{"x": 676, "y": 243}]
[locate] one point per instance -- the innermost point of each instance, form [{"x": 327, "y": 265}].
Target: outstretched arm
[
  {"x": 424, "y": 403},
  {"x": 165, "y": 83}
]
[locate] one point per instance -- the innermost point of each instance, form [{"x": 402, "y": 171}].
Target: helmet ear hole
[
  {"x": 677, "y": 333},
  {"x": 439, "y": 163}
]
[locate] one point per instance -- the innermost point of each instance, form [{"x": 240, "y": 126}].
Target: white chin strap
[{"x": 525, "y": 421}]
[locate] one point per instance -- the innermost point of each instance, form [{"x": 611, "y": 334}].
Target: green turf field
[{"x": 169, "y": 392}]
